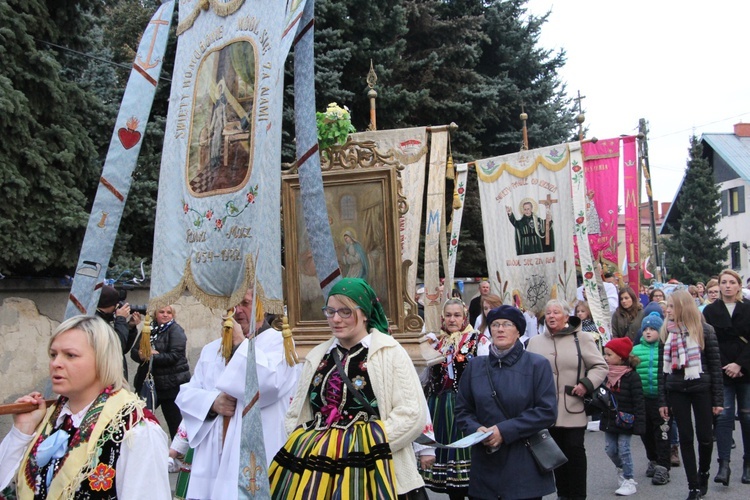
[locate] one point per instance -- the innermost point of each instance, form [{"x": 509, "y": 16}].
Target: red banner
[
  {"x": 600, "y": 164},
  {"x": 632, "y": 217}
]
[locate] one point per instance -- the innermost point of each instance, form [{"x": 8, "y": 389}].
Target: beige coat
[
  {"x": 560, "y": 350},
  {"x": 401, "y": 402}
]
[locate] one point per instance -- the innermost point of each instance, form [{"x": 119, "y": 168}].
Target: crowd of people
[{"x": 348, "y": 423}]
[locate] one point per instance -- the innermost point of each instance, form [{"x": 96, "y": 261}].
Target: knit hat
[
  {"x": 622, "y": 346},
  {"x": 653, "y": 320},
  {"x": 653, "y": 307},
  {"x": 513, "y": 314},
  {"x": 109, "y": 297}
]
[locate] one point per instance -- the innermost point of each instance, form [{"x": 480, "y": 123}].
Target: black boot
[
  {"x": 694, "y": 495},
  {"x": 746, "y": 472},
  {"x": 723, "y": 475},
  {"x": 703, "y": 478}
]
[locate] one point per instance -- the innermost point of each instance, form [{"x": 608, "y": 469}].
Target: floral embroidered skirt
[
  {"x": 452, "y": 465},
  {"x": 340, "y": 464}
]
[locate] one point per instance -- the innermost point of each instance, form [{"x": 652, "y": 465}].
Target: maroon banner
[
  {"x": 632, "y": 217},
  {"x": 600, "y": 164}
]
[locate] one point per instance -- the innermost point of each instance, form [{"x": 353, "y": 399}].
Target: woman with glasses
[
  {"x": 358, "y": 407},
  {"x": 730, "y": 318},
  {"x": 578, "y": 368},
  {"x": 501, "y": 466},
  {"x": 712, "y": 293},
  {"x": 457, "y": 343}
]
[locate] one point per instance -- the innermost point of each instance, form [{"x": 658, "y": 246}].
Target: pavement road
[{"x": 602, "y": 479}]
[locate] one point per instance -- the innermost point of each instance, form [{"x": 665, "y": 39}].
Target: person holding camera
[{"x": 117, "y": 314}]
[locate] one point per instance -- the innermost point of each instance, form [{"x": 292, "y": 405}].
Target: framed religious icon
[{"x": 363, "y": 215}]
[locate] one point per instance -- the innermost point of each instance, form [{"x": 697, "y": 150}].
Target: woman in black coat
[
  {"x": 522, "y": 382},
  {"x": 170, "y": 365},
  {"x": 692, "y": 381}
]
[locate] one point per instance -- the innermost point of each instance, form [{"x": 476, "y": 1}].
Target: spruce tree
[{"x": 696, "y": 249}]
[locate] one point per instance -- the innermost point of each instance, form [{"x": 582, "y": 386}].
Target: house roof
[{"x": 734, "y": 149}]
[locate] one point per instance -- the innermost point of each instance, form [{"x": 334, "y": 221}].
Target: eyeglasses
[
  {"x": 501, "y": 324},
  {"x": 344, "y": 312}
]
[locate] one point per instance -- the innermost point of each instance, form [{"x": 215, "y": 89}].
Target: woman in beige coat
[{"x": 578, "y": 368}]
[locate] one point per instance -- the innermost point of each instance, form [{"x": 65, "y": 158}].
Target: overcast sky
[{"x": 678, "y": 64}]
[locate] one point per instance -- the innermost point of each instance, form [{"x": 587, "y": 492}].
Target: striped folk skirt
[
  {"x": 450, "y": 472},
  {"x": 340, "y": 464}
]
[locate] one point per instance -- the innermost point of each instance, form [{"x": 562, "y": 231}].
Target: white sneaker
[
  {"x": 620, "y": 477},
  {"x": 627, "y": 488}
]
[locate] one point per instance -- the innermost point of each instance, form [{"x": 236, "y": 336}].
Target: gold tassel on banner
[
  {"x": 291, "y": 354},
  {"x": 145, "y": 347},
  {"x": 227, "y": 336},
  {"x": 456, "y": 199},
  {"x": 449, "y": 172}
]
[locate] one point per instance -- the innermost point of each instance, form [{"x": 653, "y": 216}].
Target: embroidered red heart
[{"x": 129, "y": 136}]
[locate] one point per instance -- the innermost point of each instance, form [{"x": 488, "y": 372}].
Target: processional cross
[{"x": 547, "y": 202}]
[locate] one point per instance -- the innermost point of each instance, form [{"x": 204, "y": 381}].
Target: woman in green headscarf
[{"x": 352, "y": 425}]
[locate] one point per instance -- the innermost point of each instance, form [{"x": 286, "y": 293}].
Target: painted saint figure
[
  {"x": 354, "y": 257},
  {"x": 533, "y": 234}
]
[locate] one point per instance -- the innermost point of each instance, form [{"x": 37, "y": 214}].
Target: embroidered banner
[
  {"x": 435, "y": 232},
  {"x": 409, "y": 146},
  {"x": 601, "y": 167},
  {"x": 527, "y": 215},
  {"x": 592, "y": 279},
  {"x": 117, "y": 173},
  {"x": 219, "y": 188},
  {"x": 462, "y": 172},
  {"x": 632, "y": 215}
]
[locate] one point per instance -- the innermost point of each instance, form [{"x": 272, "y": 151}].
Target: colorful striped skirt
[
  {"x": 340, "y": 464},
  {"x": 452, "y": 465}
]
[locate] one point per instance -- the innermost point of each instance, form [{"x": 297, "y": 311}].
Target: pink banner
[
  {"x": 632, "y": 217},
  {"x": 600, "y": 164}
]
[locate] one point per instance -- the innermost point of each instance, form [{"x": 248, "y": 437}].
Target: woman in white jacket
[{"x": 358, "y": 407}]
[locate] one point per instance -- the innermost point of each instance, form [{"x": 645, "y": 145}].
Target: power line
[
  {"x": 95, "y": 58},
  {"x": 698, "y": 126}
]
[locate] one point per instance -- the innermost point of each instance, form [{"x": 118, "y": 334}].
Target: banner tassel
[
  {"x": 289, "y": 350},
  {"x": 145, "y": 346},
  {"x": 449, "y": 170},
  {"x": 227, "y": 334}
]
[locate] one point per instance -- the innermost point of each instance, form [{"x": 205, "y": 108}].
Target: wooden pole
[
  {"x": 643, "y": 143},
  {"x": 18, "y": 408}
]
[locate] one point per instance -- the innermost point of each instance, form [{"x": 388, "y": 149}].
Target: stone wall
[{"x": 25, "y": 334}]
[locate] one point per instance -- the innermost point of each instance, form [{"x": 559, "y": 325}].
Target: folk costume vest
[{"x": 87, "y": 470}]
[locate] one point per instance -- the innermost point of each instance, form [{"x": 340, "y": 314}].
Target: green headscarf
[{"x": 360, "y": 292}]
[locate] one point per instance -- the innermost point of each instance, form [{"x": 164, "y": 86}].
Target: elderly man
[
  {"x": 475, "y": 306},
  {"x": 214, "y": 399}
]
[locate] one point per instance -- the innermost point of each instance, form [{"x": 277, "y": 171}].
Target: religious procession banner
[
  {"x": 527, "y": 215},
  {"x": 632, "y": 212},
  {"x": 220, "y": 182},
  {"x": 459, "y": 195},
  {"x": 409, "y": 146},
  {"x": 117, "y": 173},
  {"x": 601, "y": 161}
]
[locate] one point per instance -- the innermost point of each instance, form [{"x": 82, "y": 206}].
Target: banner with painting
[
  {"x": 218, "y": 221},
  {"x": 527, "y": 215},
  {"x": 601, "y": 162}
]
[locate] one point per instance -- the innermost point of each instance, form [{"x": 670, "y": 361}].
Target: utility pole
[{"x": 643, "y": 152}]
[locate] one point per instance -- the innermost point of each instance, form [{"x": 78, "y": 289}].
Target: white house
[{"x": 729, "y": 157}]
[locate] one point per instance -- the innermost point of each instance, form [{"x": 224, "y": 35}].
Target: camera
[{"x": 139, "y": 308}]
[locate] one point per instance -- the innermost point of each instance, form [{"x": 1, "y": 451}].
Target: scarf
[
  {"x": 157, "y": 329},
  {"x": 682, "y": 352},
  {"x": 616, "y": 372},
  {"x": 360, "y": 292}
]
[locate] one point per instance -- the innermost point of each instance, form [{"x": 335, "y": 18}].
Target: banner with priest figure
[
  {"x": 527, "y": 215},
  {"x": 220, "y": 182}
]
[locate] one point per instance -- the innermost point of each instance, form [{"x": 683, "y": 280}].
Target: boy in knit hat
[{"x": 650, "y": 350}]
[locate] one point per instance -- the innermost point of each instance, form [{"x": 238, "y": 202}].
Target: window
[
  {"x": 734, "y": 255},
  {"x": 348, "y": 207},
  {"x": 733, "y": 201}
]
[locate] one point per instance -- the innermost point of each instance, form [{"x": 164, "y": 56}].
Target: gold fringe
[
  {"x": 289, "y": 350},
  {"x": 145, "y": 347},
  {"x": 456, "y": 200},
  {"x": 227, "y": 336},
  {"x": 221, "y": 9}
]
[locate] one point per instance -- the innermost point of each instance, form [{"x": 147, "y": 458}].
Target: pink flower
[
  {"x": 185, "y": 207},
  {"x": 219, "y": 223},
  {"x": 250, "y": 198},
  {"x": 209, "y": 214}
]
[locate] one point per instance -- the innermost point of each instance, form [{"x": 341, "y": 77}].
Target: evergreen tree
[
  {"x": 696, "y": 249},
  {"x": 46, "y": 120}
]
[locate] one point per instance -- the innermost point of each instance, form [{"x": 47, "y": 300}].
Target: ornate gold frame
[{"x": 355, "y": 167}]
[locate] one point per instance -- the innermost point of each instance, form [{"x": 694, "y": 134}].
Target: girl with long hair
[
  {"x": 626, "y": 321},
  {"x": 488, "y": 302}
]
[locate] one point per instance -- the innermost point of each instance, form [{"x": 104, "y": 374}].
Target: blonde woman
[
  {"x": 693, "y": 385},
  {"x": 97, "y": 440},
  {"x": 487, "y": 302}
]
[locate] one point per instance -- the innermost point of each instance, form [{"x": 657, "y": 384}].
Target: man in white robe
[{"x": 217, "y": 390}]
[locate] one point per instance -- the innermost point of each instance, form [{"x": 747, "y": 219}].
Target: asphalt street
[{"x": 602, "y": 480}]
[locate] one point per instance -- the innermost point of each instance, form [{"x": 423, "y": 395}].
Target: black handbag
[
  {"x": 547, "y": 454},
  {"x": 599, "y": 400},
  {"x": 148, "y": 389}
]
